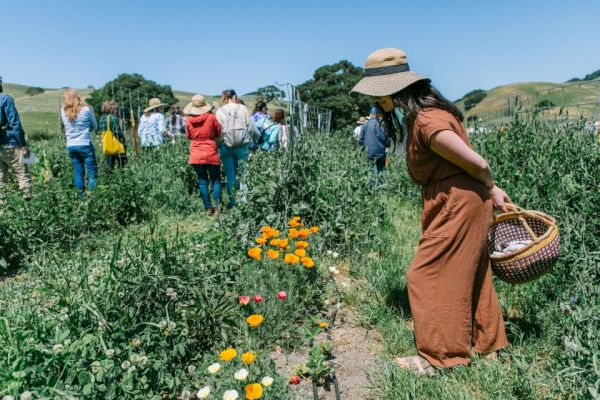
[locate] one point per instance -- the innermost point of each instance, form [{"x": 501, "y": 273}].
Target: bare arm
[{"x": 450, "y": 146}]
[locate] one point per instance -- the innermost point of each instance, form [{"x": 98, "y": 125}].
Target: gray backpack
[{"x": 234, "y": 128}]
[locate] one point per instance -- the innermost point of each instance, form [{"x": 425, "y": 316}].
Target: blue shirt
[
  {"x": 11, "y": 131},
  {"x": 78, "y": 132},
  {"x": 374, "y": 138}
]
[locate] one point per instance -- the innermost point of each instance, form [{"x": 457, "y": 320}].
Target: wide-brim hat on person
[
  {"x": 154, "y": 103},
  {"x": 362, "y": 120},
  {"x": 386, "y": 72},
  {"x": 197, "y": 106}
]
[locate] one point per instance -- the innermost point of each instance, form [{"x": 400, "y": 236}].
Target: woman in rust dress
[{"x": 452, "y": 298}]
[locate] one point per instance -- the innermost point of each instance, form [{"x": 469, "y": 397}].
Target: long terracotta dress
[{"x": 452, "y": 298}]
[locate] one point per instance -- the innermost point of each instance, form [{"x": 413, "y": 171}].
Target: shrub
[{"x": 34, "y": 90}]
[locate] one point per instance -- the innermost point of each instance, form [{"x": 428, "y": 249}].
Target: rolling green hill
[{"x": 531, "y": 94}]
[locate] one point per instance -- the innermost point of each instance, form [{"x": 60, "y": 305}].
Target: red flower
[
  {"x": 258, "y": 298},
  {"x": 282, "y": 295},
  {"x": 244, "y": 300},
  {"x": 294, "y": 380}
]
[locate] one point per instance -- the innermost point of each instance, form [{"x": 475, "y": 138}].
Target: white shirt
[
  {"x": 78, "y": 131},
  {"x": 151, "y": 129}
]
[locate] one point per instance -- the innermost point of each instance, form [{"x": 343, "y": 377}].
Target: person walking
[
  {"x": 109, "y": 119},
  {"x": 203, "y": 130},
  {"x": 259, "y": 118},
  {"x": 151, "y": 129},
  {"x": 175, "y": 124},
  {"x": 356, "y": 133},
  {"x": 12, "y": 146},
  {"x": 452, "y": 298},
  {"x": 374, "y": 138},
  {"x": 237, "y": 135},
  {"x": 79, "y": 122},
  {"x": 272, "y": 132}
]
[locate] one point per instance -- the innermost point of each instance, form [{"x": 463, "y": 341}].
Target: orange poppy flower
[
  {"x": 293, "y": 233},
  {"x": 314, "y": 229},
  {"x": 254, "y": 391},
  {"x": 228, "y": 354},
  {"x": 302, "y": 244},
  {"x": 295, "y": 222},
  {"x": 272, "y": 254},
  {"x": 261, "y": 240},
  {"x": 248, "y": 357},
  {"x": 255, "y": 253},
  {"x": 291, "y": 258},
  {"x": 308, "y": 262},
  {"x": 274, "y": 242},
  {"x": 303, "y": 233},
  {"x": 300, "y": 253},
  {"x": 255, "y": 320},
  {"x": 283, "y": 243}
]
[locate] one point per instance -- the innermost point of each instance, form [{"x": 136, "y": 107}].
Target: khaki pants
[{"x": 9, "y": 158}]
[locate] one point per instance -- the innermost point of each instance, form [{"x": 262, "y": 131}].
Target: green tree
[
  {"x": 141, "y": 90},
  {"x": 269, "y": 93},
  {"x": 330, "y": 88},
  {"x": 34, "y": 90}
]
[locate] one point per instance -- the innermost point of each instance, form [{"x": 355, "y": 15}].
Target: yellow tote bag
[{"x": 110, "y": 144}]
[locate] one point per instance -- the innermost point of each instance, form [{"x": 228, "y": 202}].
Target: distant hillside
[
  {"x": 40, "y": 113},
  {"x": 497, "y": 98},
  {"x": 588, "y": 77}
]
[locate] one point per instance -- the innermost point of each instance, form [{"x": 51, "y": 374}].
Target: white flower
[
  {"x": 131, "y": 369},
  {"x": 231, "y": 395},
  {"x": 214, "y": 368},
  {"x": 267, "y": 381},
  {"x": 163, "y": 324},
  {"x": 172, "y": 325},
  {"x": 186, "y": 394},
  {"x": 134, "y": 358},
  {"x": 110, "y": 353},
  {"x": 241, "y": 375},
  {"x": 7, "y": 397},
  {"x": 58, "y": 348},
  {"x": 125, "y": 364},
  {"x": 143, "y": 360},
  {"x": 171, "y": 293},
  {"x": 335, "y": 254},
  {"x": 96, "y": 367},
  {"x": 191, "y": 369},
  {"x": 334, "y": 270},
  {"x": 203, "y": 393},
  {"x": 26, "y": 395}
]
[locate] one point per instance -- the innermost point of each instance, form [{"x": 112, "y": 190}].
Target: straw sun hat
[
  {"x": 154, "y": 103},
  {"x": 198, "y": 106},
  {"x": 362, "y": 120},
  {"x": 386, "y": 73}
]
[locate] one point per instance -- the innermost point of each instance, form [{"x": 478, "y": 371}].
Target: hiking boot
[
  {"x": 216, "y": 212},
  {"x": 210, "y": 211}
]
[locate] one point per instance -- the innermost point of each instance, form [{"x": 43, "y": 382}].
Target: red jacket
[{"x": 203, "y": 131}]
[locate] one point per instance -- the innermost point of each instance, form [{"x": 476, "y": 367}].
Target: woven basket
[{"x": 532, "y": 261}]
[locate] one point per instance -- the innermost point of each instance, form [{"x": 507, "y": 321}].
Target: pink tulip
[
  {"x": 257, "y": 298},
  {"x": 244, "y": 300},
  {"x": 282, "y": 295}
]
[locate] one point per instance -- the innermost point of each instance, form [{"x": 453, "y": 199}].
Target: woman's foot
[
  {"x": 210, "y": 211},
  {"x": 216, "y": 212},
  {"x": 416, "y": 364}
]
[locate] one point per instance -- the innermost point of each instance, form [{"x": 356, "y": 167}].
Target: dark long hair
[
  {"x": 411, "y": 100},
  {"x": 261, "y": 105}
]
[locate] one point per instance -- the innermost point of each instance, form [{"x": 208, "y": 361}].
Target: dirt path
[{"x": 354, "y": 357}]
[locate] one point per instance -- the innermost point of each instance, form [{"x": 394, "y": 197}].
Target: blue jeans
[
  {"x": 379, "y": 171},
  {"x": 204, "y": 171},
  {"x": 233, "y": 159},
  {"x": 84, "y": 157}
]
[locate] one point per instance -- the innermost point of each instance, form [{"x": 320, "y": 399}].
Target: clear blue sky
[{"x": 207, "y": 46}]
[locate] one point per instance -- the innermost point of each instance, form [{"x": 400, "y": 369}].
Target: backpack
[{"x": 234, "y": 128}]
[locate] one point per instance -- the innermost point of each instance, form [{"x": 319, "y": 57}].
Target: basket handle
[{"x": 520, "y": 212}]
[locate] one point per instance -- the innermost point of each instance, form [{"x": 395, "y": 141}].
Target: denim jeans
[
  {"x": 233, "y": 159},
  {"x": 84, "y": 158},
  {"x": 204, "y": 171},
  {"x": 378, "y": 170}
]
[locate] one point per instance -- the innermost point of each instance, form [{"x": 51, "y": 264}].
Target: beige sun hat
[
  {"x": 386, "y": 73},
  {"x": 362, "y": 120},
  {"x": 154, "y": 103},
  {"x": 197, "y": 106}
]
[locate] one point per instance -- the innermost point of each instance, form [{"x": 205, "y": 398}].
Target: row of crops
[{"x": 133, "y": 293}]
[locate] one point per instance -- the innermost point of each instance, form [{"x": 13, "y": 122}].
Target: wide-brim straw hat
[
  {"x": 362, "y": 120},
  {"x": 197, "y": 106},
  {"x": 386, "y": 72},
  {"x": 154, "y": 103}
]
